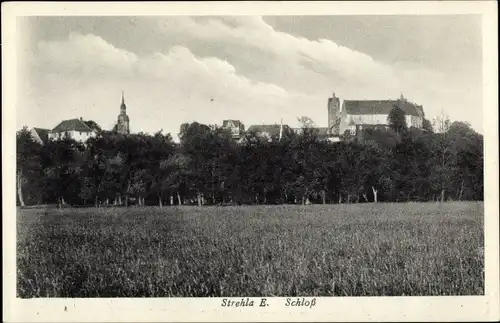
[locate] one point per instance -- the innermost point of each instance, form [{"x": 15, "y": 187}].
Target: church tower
[
  {"x": 123, "y": 120},
  {"x": 333, "y": 115}
]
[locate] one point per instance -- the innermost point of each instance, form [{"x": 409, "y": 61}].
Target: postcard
[{"x": 250, "y": 161}]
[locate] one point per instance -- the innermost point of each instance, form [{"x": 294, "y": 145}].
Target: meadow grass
[{"x": 322, "y": 250}]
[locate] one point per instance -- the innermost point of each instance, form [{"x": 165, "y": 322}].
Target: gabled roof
[
  {"x": 358, "y": 107},
  {"x": 236, "y": 123},
  {"x": 71, "y": 125},
  {"x": 42, "y": 133},
  {"x": 271, "y": 129}
]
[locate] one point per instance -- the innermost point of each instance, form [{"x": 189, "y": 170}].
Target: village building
[
  {"x": 40, "y": 135},
  {"x": 74, "y": 129},
  {"x": 78, "y": 130},
  {"x": 235, "y": 127},
  {"x": 269, "y": 131},
  {"x": 355, "y": 115},
  {"x": 323, "y": 133}
]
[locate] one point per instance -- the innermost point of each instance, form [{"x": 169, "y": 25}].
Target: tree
[
  {"x": 87, "y": 190},
  {"x": 63, "y": 165},
  {"x": 175, "y": 174},
  {"x": 397, "y": 120},
  {"x": 442, "y": 168},
  {"x": 162, "y": 147},
  {"x": 374, "y": 170},
  {"x": 207, "y": 166},
  {"x": 306, "y": 122},
  {"x": 385, "y": 139},
  {"x": 196, "y": 142},
  {"x": 466, "y": 157},
  {"x": 28, "y": 165},
  {"x": 427, "y": 125},
  {"x": 93, "y": 125}
]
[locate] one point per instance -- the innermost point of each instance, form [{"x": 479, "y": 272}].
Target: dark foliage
[{"x": 208, "y": 167}]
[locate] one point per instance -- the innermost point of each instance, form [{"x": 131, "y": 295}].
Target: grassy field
[{"x": 342, "y": 250}]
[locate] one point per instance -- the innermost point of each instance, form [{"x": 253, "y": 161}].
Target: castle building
[
  {"x": 333, "y": 115},
  {"x": 355, "y": 115},
  {"x": 123, "y": 125}
]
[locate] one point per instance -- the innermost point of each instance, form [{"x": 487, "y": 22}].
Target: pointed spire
[{"x": 123, "y": 107}]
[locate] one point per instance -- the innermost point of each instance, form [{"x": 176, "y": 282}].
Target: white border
[{"x": 463, "y": 308}]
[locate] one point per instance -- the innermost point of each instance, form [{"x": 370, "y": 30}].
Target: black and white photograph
[{"x": 247, "y": 158}]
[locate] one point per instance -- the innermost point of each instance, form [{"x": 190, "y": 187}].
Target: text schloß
[{"x": 300, "y": 302}]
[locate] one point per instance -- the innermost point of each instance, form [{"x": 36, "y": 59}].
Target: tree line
[{"x": 208, "y": 167}]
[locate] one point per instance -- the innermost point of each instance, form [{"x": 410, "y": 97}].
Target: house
[
  {"x": 355, "y": 115},
  {"x": 75, "y": 129},
  {"x": 273, "y": 131},
  {"x": 235, "y": 127},
  {"x": 40, "y": 135},
  {"x": 323, "y": 133}
]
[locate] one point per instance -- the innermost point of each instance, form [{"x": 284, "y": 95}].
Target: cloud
[
  {"x": 84, "y": 74},
  {"x": 318, "y": 67},
  {"x": 338, "y": 62},
  {"x": 83, "y": 54},
  {"x": 250, "y": 70},
  {"x": 294, "y": 63}
]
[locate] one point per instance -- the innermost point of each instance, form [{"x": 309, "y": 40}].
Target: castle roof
[
  {"x": 359, "y": 107},
  {"x": 71, "y": 125}
]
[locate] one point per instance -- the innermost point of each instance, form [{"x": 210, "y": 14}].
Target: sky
[{"x": 176, "y": 69}]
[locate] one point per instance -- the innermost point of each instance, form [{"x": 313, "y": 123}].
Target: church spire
[
  {"x": 123, "y": 119},
  {"x": 123, "y": 107}
]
